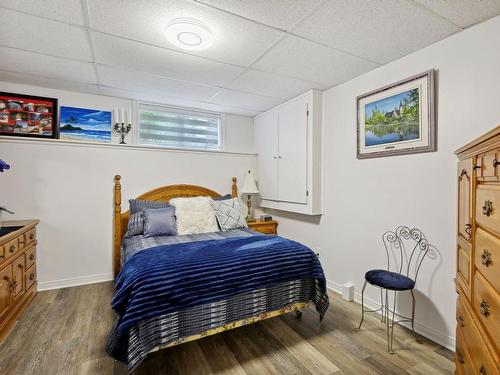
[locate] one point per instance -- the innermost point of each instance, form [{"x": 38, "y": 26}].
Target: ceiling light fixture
[{"x": 190, "y": 34}]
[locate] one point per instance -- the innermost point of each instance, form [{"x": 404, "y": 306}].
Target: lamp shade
[{"x": 249, "y": 185}]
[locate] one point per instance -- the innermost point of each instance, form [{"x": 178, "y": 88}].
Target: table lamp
[{"x": 249, "y": 188}]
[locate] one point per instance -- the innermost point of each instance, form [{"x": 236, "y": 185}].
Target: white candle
[
  {"x": 116, "y": 115},
  {"x": 123, "y": 115},
  {"x": 129, "y": 116}
]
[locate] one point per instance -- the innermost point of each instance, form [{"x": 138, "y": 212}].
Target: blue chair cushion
[{"x": 389, "y": 280}]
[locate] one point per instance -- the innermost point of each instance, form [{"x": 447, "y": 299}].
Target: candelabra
[{"x": 122, "y": 129}]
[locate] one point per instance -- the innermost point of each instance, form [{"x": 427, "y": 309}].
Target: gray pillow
[
  {"x": 228, "y": 214},
  {"x": 223, "y": 198},
  {"x": 137, "y": 205},
  {"x": 159, "y": 222},
  {"x": 135, "y": 224}
]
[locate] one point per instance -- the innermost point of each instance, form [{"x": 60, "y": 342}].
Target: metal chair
[{"x": 407, "y": 265}]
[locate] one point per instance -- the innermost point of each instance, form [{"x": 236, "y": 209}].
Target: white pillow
[{"x": 194, "y": 215}]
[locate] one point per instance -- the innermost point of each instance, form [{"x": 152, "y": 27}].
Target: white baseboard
[
  {"x": 439, "y": 337},
  {"x": 75, "y": 281}
]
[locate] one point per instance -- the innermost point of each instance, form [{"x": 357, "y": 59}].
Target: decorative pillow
[
  {"x": 159, "y": 222},
  {"x": 135, "y": 224},
  {"x": 194, "y": 215},
  {"x": 137, "y": 205},
  {"x": 228, "y": 214}
]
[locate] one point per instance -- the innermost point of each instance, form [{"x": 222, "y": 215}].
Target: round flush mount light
[{"x": 190, "y": 34}]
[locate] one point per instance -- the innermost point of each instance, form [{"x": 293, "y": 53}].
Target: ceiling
[{"x": 265, "y": 51}]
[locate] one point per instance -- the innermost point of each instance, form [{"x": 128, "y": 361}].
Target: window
[{"x": 170, "y": 127}]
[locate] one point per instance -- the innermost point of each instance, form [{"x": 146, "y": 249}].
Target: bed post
[
  {"x": 117, "y": 225},
  {"x": 234, "y": 188}
]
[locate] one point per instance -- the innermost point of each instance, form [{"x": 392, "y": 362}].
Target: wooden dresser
[
  {"x": 18, "y": 280},
  {"x": 478, "y": 256},
  {"x": 266, "y": 227}
]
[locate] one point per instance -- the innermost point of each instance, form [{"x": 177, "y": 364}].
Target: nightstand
[{"x": 266, "y": 227}]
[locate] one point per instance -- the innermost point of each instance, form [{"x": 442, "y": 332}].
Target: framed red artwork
[{"x": 28, "y": 116}]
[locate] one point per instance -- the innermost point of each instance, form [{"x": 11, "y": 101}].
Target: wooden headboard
[{"x": 161, "y": 194}]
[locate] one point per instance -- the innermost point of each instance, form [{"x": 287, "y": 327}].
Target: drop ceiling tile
[
  {"x": 27, "y": 32},
  {"x": 380, "y": 31},
  {"x": 70, "y": 11},
  {"x": 149, "y": 83},
  {"x": 54, "y": 83},
  {"x": 282, "y": 14},
  {"x": 244, "y": 100},
  {"x": 312, "y": 62},
  {"x": 18, "y": 61},
  {"x": 237, "y": 41},
  {"x": 464, "y": 12},
  {"x": 269, "y": 84},
  {"x": 155, "y": 60},
  {"x": 172, "y": 101}
]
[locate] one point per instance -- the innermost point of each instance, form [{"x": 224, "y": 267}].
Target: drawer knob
[
  {"x": 460, "y": 357},
  {"x": 487, "y": 208},
  {"x": 20, "y": 266},
  {"x": 32, "y": 236},
  {"x": 495, "y": 163},
  {"x": 12, "y": 248},
  {"x": 483, "y": 370},
  {"x": 1, "y": 257},
  {"x": 32, "y": 256},
  {"x": 32, "y": 276},
  {"x": 461, "y": 320},
  {"x": 485, "y": 308},
  {"x": 486, "y": 258},
  {"x": 468, "y": 229}
]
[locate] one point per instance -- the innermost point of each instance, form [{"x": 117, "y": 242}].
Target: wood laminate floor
[{"x": 64, "y": 331}]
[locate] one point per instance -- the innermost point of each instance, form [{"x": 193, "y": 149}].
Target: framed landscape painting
[
  {"x": 90, "y": 125},
  {"x": 398, "y": 119},
  {"x": 28, "y": 116}
]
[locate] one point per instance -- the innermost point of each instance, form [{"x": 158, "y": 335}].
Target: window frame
[{"x": 183, "y": 111}]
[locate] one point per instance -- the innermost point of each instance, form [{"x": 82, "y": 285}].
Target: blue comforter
[{"x": 163, "y": 279}]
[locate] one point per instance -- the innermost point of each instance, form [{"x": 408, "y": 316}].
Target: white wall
[
  {"x": 364, "y": 198},
  {"x": 69, "y": 186}
]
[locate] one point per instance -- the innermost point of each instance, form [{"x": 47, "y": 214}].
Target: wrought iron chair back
[{"x": 405, "y": 261}]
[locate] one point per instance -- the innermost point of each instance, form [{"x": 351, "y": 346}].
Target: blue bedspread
[{"x": 175, "y": 277}]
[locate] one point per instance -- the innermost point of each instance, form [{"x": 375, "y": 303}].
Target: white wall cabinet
[{"x": 288, "y": 142}]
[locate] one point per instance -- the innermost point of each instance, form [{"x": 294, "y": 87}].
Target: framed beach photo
[
  {"x": 397, "y": 119},
  {"x": 28, "y": 116},
  {"x": 89, "y": 125}
]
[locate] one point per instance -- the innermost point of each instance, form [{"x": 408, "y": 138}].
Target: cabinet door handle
[
  {"x": 486, "y": 258},
  {"x": 484, "y": 308},
  {"x": 483, "y": 370},
  {"x": 468, "y": 229},
  {"x": 274, "y": 157},
  {"x": 487, "y": 208},
  {"x": 279, "y": 157},
  {"x": 461, "y": 320}
]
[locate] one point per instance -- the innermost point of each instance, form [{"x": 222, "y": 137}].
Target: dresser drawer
[
  {"x": 30, "y": 256},
  {"x": 29, "y": 236},
  {"x": 488, "y": 207},
  {"x": 11, "y": 247},
  {"x": 477, "y": 347},
  {"x": 30, "y": 276},
  {"x": 487, "y": 307},
  {"x": 487, "y": 258},
  {"x": 464, "y": 266},
  {"x": 462, "y": 359},
  {"x": 489, "y": 168}
]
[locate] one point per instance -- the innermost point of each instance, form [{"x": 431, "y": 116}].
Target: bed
[{"x": 175, "y": 289}]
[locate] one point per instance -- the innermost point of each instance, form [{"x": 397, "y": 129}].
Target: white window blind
[{"x": 169, "y": 127}]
